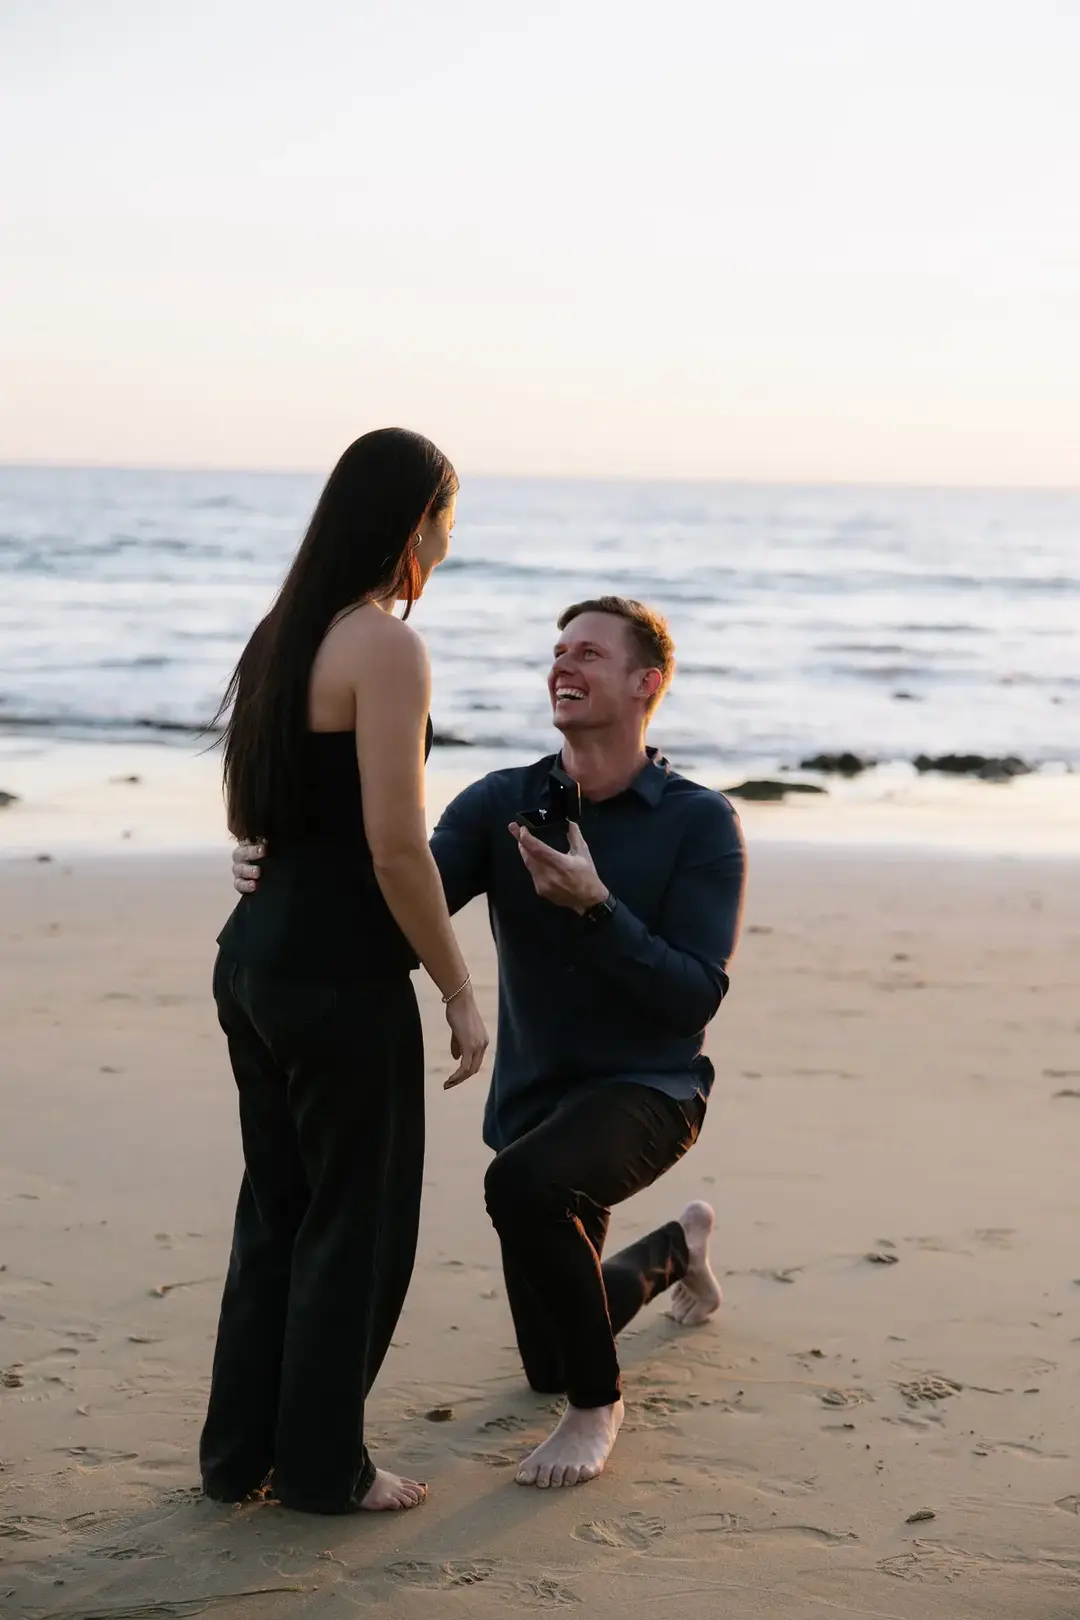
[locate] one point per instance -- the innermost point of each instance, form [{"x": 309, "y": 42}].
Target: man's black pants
[{"x": 549, "y": 1195}]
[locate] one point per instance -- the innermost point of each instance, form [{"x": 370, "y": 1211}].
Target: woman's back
[{"x": 318, "y": 911}]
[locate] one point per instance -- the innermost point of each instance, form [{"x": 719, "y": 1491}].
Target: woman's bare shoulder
[{"x": 368, "y": 634}]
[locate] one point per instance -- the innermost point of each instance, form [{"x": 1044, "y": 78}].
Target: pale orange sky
[{"x": 830, "y": 239}]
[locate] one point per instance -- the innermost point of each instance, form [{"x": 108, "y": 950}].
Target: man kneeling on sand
[{"x": 615, "y": 890}]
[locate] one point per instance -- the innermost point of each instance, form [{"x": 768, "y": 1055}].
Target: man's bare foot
[
  {"x": 577, "y": 1448},
  {"x": 698, "y": 1296},
  {"x": 389, "y": 1494}
]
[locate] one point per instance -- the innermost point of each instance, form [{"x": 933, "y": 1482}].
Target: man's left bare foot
[
  {"x": 698, "y": 1296},
  {"x": 576, "y": 1450}
]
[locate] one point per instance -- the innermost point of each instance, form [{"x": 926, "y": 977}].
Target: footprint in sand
[
  {"x": 545, "y": 1593},
  {"x": 666, "y": 1405},
  {"x": 26, "y": 1528},
  {"x": 931, "y": 1562},
  {"x": 786, "y": 1487},
  {"x": 82, "y": 1522},
  {"x": 296, "y": 1563},
  {"x": 539, "y": 1591},
  {"x": 438, "y": 1577},
  {"x": 843, "y": 1397},
  {"x": 929, "y": 1387},
  {"x": 717, "y": 1524},
  {"x": 732, "y": 1524},
  {"x": 125, "y": 1552},
  {"x": 784, "y": 1274},
  {"x": 1017, "y": 1448},
  {"x": 637, "y": 1530},
  {"x": 808, "y": 1532}
]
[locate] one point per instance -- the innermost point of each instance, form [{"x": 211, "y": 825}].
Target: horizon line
[{"x": 46, "y": 464}]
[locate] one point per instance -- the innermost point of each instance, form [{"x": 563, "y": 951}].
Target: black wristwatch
[{"x": 597, "y": 915}]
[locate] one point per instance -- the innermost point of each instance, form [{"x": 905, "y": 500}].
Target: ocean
[{"x": 887, "y": 621}]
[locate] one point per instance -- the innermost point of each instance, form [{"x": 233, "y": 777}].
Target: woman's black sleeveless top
[{"x": 318, "y": 912}]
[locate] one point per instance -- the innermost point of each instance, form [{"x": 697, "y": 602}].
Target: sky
[{"x": 787, "y": 239}]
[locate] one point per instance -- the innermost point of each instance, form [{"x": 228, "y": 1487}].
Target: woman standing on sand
[{"x": 330, "y": 699}]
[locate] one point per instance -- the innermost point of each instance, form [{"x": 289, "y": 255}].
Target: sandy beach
[
  {"x": 761, "y": 318},
  {"x": 891, "y": 1149}
]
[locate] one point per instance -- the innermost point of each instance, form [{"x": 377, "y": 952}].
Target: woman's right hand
[{"x": 468, "y": 1037}]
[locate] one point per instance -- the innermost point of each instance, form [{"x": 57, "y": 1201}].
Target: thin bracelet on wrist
[{"x": 446, "y": 1000}]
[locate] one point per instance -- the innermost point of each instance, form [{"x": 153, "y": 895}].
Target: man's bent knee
[{"x": 511, "y": 1189}]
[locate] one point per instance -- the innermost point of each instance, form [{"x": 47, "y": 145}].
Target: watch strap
[{"x": 599, "y": 914}]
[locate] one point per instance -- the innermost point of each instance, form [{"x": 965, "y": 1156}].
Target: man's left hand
[{"x": 566, "y": 880}]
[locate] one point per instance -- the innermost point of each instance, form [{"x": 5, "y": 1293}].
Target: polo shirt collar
[{"x": 650, "y": 781}]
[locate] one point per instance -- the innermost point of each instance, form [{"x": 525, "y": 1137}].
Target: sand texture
[{"x": 892, "y": 1149}]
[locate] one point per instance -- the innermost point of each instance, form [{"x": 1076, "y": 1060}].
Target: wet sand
[{"x": 892, "y": 1151}]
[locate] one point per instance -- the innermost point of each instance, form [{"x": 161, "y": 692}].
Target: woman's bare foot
[
  {"x": 389, "y": 1494},
  {"x": 698, "y": 1296},
  {"x": 577, "y": 1448}
]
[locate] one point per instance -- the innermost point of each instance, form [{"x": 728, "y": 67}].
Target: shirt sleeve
[
  {"x": 678, "y": 975},
  {"x": 461, "y": 846}
]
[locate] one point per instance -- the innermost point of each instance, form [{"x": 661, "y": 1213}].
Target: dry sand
[{"x": 899, "y": 1075}]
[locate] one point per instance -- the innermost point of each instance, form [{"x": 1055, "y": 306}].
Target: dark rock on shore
[
  {"x": 7, "y": 798},
  {"x": 837, "y": 764},
  {"x": 987, "y": 769},
  {"x": 766, "y": 792},
  {"x": 447, "y": 739}
]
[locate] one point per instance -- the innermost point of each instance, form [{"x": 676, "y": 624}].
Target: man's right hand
[{"x": 245, "y": 875}]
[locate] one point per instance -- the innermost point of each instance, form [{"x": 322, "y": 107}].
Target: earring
[{"x": 416, "y": 542}]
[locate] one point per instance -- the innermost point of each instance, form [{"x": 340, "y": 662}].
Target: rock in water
[
  {"x": 986, "y": 768},
  {"x": 766, "y": 792},
  {"x": 7, "y": 798},
  {"x": 837, "y": 764}
]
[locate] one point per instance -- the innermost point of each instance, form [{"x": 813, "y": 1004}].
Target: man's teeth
[{"x": 568, "y": 692}]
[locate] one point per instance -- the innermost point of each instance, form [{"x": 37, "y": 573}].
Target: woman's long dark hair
[{"x": 358, "y": 547}]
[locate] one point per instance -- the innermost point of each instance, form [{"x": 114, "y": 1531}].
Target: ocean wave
[
  {"x": 882, "y": 672},
  {"x": 125, "y": 600},
  {"x": 72, "y": 723},
  {"x": 921, "y": 627},
  {"x": 82, "y": 559},
  {"x": 879, "y": 649},
  {"x": 709, "y": 580}
]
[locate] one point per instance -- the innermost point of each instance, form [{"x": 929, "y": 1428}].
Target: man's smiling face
[{"x": 596, "y": 680}]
